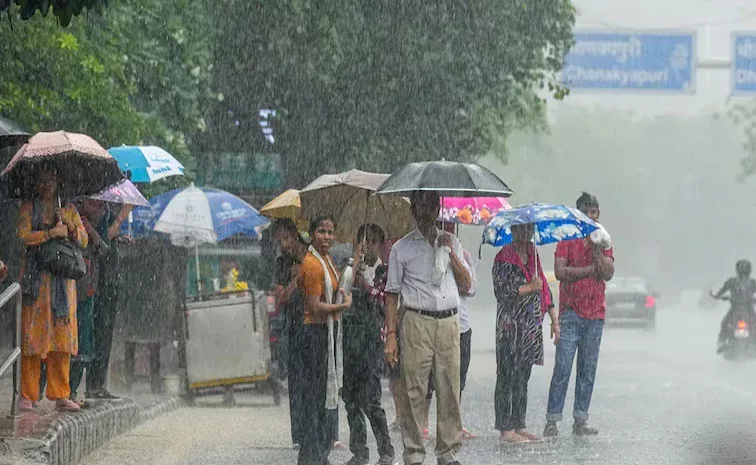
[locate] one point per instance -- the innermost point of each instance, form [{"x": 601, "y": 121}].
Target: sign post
[
  {"x": 633, "y": 61},
  {"x": 743, "y": 64}
]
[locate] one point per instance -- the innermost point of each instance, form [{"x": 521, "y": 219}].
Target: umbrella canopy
[
  {"x": 553, "y": 223},
  {"x": 350, "y": 198},
  {"x": 124, "y": 192},
  {"x": 146, "y": 164},
  {"x": 202, "y": 215},
  {"x": 471, "y": 210},
  {"x": 449, "y": 179},
  {"x": 287, "y": 205},
  {"x": 83, "y": 167},
  {"x": 11, "y": 133}
]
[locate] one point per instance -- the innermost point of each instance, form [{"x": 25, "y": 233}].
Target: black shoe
[
  {"x": 386, "y": 460},
  {"x": 356, "y": 460},
  {"x": 551, "y": 430},
  {"x": 101, "y": 394},
  {"x": 581, "y": 428}
]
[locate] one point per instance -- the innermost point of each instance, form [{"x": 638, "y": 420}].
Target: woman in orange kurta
[
  {"x": 318, "y": 424},
  {"x": 47, "y": 333}
]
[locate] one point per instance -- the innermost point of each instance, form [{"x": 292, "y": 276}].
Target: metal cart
[{"x": 227, "y": 344}]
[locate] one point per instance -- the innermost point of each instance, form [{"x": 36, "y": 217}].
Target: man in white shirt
[
  {"x": 465, "y": 342},
  {"x": 430, "y": 327}
]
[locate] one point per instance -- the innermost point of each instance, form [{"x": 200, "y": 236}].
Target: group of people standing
[
  {"x": 419, "y": 299},
  {"x": 67, "y": 325}
]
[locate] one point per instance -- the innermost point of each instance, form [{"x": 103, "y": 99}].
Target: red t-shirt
[{"x": 584, "y": 297}]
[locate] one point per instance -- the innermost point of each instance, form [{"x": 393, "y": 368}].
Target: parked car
[{"x": 630, "y": 300}]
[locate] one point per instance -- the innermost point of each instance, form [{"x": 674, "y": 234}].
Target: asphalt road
[{"x": 660, "y": 398}]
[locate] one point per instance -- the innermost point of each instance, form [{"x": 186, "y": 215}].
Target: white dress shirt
[{"x": 410, "y": 272}]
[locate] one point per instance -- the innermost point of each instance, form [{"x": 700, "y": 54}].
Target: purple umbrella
[{"x": 124, "y": 192}]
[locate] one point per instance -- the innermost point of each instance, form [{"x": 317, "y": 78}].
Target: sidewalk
[{"x": 48, "y": 437}]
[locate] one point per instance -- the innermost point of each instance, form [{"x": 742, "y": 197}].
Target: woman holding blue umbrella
[{"x": 523, "y": 297}]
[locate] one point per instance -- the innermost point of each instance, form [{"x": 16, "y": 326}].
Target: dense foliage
[{"x": 373, "y": 84}]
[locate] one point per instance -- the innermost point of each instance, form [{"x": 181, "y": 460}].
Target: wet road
[{"x": 660, "y": 398}]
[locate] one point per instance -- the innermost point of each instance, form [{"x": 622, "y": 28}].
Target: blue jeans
[{"x": 584, "y": 337}]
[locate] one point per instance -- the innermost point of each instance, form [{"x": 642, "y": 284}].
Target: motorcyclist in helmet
[{"x": 742, "y": 289}]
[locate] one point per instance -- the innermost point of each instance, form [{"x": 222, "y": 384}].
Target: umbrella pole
[{"x": 197, "y": 267}]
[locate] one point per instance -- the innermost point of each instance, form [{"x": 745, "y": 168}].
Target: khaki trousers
[{"x": 429, "y": 344}]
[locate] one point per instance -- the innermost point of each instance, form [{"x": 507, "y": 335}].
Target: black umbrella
[
  {"x": 449, "y": 179},
  {"x": 11, "y": 133}
]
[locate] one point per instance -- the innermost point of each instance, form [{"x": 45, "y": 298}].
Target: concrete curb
[{"x": 72, "y": 437}]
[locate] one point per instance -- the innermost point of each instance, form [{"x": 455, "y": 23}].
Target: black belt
[{"x": 439, "y": 315}]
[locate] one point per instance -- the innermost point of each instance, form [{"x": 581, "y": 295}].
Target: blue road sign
[
  {"x": 743, "y": 72},
  {"x": 631, "y": 61}
]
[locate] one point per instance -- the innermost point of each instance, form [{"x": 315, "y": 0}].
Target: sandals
[
  {"x": 66, "y": 405},
  {"x": 467, "y": 434},
  {"x": 25, "y": 405}
]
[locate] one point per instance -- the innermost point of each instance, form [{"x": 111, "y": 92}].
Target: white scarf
[{"x": 335, "y": 355}]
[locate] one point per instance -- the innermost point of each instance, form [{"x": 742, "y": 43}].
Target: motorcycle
[{"x": 740, "y": 335}]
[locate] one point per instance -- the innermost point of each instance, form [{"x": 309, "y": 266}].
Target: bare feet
[
  {"x": 513, "y": 438},
  {"x": 338, "y": 445},
  {"x": 466, "y": 434}
]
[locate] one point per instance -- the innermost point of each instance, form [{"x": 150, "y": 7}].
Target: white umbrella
[{"x": 188, "y": 219}]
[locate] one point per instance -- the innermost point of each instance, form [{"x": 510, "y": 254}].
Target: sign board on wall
[{"x": 636, "y": 61}]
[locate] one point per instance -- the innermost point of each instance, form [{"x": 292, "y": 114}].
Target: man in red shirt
[{"x": 582, "y": 268}]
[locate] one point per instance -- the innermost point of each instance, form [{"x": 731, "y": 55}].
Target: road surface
[{"x": 659, "y": 398}]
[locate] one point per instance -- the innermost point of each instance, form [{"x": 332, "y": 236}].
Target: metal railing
[{"x": 14, "y": 290}]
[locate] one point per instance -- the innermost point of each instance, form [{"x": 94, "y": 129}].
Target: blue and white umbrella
[
  {"x": 197, "y": 215},
  {"x": 553, "y": 223},
  {"x": 146, "y": 164}
]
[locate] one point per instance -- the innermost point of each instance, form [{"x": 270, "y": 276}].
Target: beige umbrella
[{"x": 350, "y": 197}]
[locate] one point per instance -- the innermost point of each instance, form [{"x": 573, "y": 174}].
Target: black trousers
[
  {"x": 295, "y": 380},
  {"x": 316, "y": 424},
  {"x": 362, "y": 388},
  {"x": 511, "y": 395},
  {"x": 104, "y": 323}
]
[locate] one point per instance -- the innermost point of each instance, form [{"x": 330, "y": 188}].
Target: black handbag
[{"x": 62, "y": 258}]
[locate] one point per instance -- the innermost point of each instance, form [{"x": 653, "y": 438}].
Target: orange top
[
  {"x": 312, "y": 282},
  {"x": 42, "y": 333}
]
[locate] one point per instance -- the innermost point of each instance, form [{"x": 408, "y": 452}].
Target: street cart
[{"x": 227, "y": 343}]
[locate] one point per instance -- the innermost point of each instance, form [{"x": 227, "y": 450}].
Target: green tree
[
  {"x": 57, "y": 78},
  {"x": 139, "y": 75},
  {"x": 743, "y": 114},
  {"x": 373, "y": 84},
  {"x": 63, "y": 10}
]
